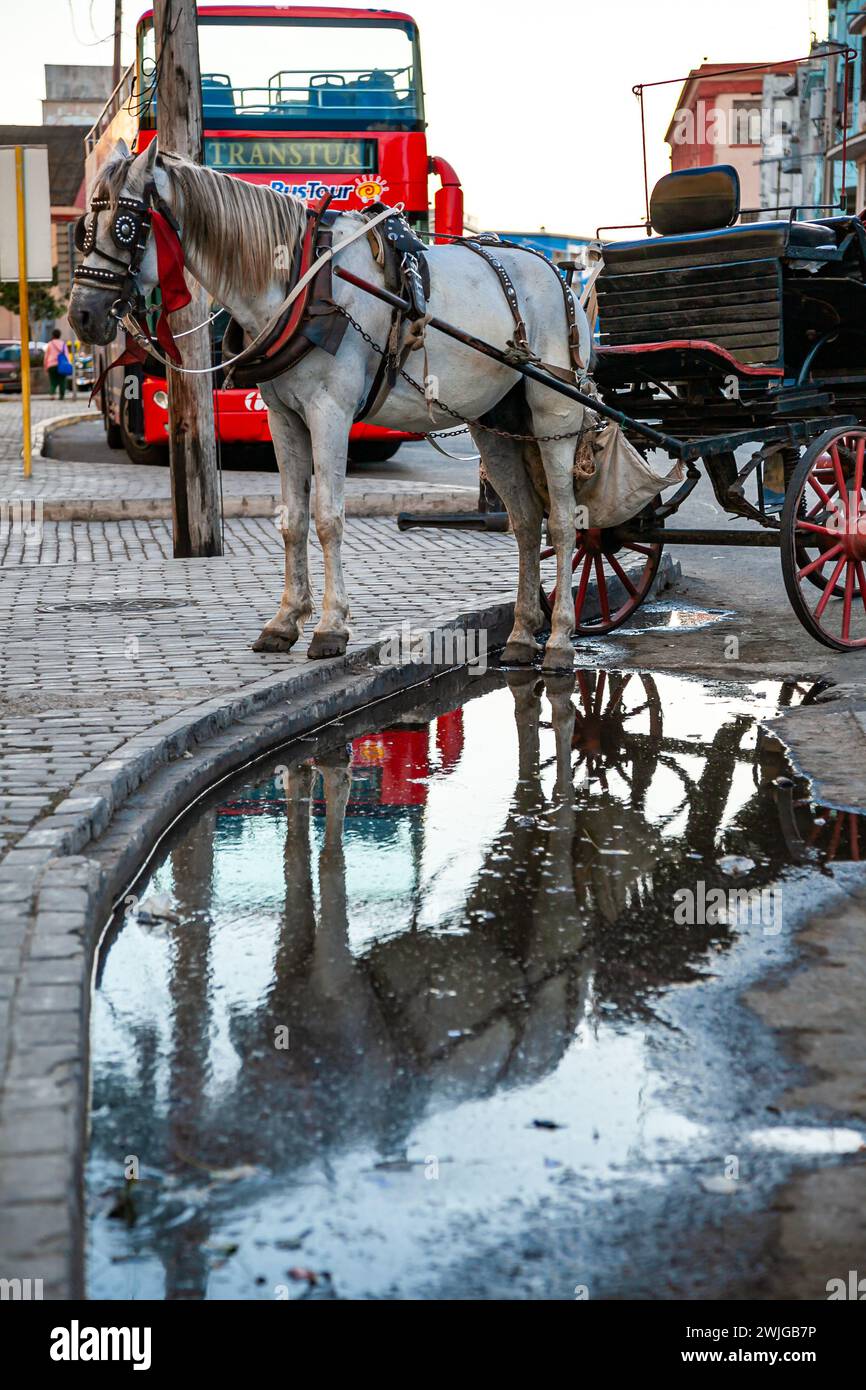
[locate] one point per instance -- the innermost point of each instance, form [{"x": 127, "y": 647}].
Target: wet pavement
[{"x": 446, "y": 1001}]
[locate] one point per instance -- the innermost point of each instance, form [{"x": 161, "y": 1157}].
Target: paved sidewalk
[
  {"x": 41, "y": 408},
  {"x": 121, "y": 645}
]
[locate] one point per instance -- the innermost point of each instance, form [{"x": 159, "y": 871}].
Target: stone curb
[
  {"x": 40, "y": 432},
  {"x": 430, "y": 499},
  {"x": 59, "y": 883}
]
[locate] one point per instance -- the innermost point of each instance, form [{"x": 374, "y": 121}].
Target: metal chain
[{"x": 434, "y": 400}]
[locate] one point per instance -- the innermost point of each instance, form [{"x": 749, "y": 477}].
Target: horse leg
[
  {"x": 504, "y": 465},
  {"x": 558, "y": 459},
  {"x": 294, "y": 457},
  {"x": 330, "y": 436}
]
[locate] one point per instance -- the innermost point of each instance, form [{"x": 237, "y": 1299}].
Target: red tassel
[{"x": 131, "y": 353}]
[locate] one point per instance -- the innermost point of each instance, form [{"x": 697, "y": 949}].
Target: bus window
[{"x": 345, "y": 74}]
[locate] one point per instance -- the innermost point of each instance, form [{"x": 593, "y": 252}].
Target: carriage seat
[{"x": 703, "y": 277}]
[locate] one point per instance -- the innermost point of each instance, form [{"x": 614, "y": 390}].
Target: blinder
[{"x": 130, "y": 228}]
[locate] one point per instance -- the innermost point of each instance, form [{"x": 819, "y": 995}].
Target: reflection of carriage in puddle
[{"x": 619, "y": 796}]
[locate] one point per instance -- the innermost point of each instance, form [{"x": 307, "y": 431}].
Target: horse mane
[{"x": 243, "y": 236}]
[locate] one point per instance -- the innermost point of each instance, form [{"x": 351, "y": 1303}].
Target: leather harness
[
  {"x": 519, "y": 349},
  {"x": 311, "y": 321},
  {"x": 314, "y": 320}
]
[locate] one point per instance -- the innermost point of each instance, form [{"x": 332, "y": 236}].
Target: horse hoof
[
  {"x": 327, "y": 644},
  {"x": 273, "y": 642},
  {"x": 519, "y": 653},
  {"x": 558, "y": 658}
]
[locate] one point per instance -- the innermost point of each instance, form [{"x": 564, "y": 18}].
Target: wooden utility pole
[
  {"x": 118, "y": 21},
  {"x": 192, "y": 441}
]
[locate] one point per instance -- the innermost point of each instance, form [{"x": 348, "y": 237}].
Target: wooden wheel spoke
[
  {"x": 830, "y": 586},
  {"x": 815, "y": 528},
  {"x": 821, "y": 560},
  {"x": 822, "y": 495},
  {"x": 839, "y": 475},
  {"x": 602, "y": 589},
  {"x": 577, "y": 557},
  {"x": 846, "y": 602},
  {"x": 581, "y": 592},
  {"x": 621, "y": 575}
]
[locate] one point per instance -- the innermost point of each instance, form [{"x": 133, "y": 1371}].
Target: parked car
[{"x": 10, "y": 363}]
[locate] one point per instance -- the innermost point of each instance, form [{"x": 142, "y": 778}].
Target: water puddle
[
  {"x": 664, "y": 615},
  {"x": 445, "y": 1000}
]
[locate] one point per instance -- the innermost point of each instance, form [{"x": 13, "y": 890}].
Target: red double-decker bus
[{"x": 306, "y": 100}]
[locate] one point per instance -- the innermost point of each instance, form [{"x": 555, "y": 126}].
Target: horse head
[{"x": 120, "y": 263}]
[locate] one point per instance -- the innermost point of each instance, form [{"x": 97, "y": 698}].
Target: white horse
[{"x": 236, "y": 238}]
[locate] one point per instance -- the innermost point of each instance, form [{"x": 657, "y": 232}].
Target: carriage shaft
[
  {"x": 676, "y": 447},
  {"x": 683, "y": 536}
]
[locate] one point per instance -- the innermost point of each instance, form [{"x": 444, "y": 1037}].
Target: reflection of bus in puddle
[
  {"x": 390, "y": 770},
  {"x": 383, "y": 830}
]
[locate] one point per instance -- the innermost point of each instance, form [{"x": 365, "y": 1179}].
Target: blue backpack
[{"x": 64, "y": 366}]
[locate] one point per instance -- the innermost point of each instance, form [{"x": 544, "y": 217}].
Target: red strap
[
  {"x": 131, "y": 353},
  {"x": 172, "y": 283}
]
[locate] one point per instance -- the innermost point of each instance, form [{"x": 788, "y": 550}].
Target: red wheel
[
  {"x": 824, "y": 539},
  {"x": 612, "y": 577}
]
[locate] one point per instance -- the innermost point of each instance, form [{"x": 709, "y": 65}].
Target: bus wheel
[
  {"x": 372, "y": 450},
  {"x": 113, "y": 436},
  {"x": 138, "y": 451}
]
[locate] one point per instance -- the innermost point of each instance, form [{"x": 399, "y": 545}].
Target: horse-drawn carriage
[
  {"x": 724, "y": 336},
  {"x": 737, "y": 343}
]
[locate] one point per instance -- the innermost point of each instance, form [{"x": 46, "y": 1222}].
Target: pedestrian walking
[{"x": 57, "y": 363}]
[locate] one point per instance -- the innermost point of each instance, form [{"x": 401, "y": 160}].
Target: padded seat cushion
[{"x": 747, "y": 242}]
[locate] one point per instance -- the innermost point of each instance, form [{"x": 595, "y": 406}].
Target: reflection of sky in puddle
[
  {"x": 499, "y": 947},
  {"x": 789, "y": 1140},
  {"x": 659, "y": 617}
]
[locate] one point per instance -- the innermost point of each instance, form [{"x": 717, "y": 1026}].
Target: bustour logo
[{"x": 76, "y": 1343}]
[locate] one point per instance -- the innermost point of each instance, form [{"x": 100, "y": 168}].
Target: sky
[{"x": 530, "y": 100}]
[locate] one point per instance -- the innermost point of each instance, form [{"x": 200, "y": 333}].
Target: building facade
[{"x": 74, "y": 97}]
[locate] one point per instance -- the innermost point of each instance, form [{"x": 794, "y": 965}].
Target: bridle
[
  {"x": 134, "y": 222},
  {"x": 131, "y": 228}
]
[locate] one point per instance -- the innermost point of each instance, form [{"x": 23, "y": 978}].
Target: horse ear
[
  {"x": 121, "y": 150},
  {"x": 143, "y": 166}
]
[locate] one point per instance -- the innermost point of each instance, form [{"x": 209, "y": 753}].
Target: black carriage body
[
  {"x": 720, "y": 335},
  {"x": 742, "y": 328}
]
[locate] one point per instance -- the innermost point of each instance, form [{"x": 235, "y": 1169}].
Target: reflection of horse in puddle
[{"x": 423, "y": 1017}]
